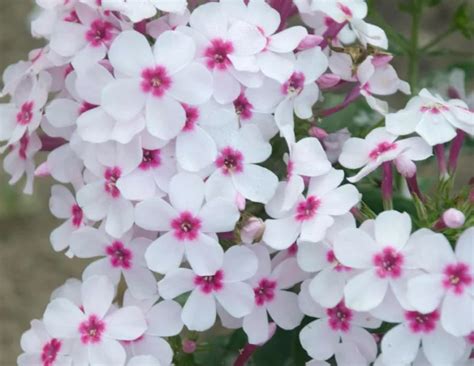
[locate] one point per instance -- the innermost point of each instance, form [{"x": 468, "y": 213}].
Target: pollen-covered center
[
  {"x": 217, "y": 54},
  {"x": 91, "y": 330},
  {"x": 265, "y": 291},
  {"x": 388, "y": 263},
  {"x": 208, "y": 284},
  {"x": 421, "y": 323},
  {"x": 339, "y": 317},
  {"x": 295, "y": 84},
  {"x": 186, "y": 226},
  {"x": 112, "y": 175},
  {"x": 230, "y": 161},
  {"x": 25, "y": 114},
  {"x": 99, "y": 32},
  {"x": 119, "y": 255},
  {"x": 155, "y": 80},
  {"x": 382, "y": 148},
  {"x": 50, "y": 351},
  {"x": 151, "y": 159},
  {"x": 307, "y": 209},
  {"x": 457, "y": 277}
]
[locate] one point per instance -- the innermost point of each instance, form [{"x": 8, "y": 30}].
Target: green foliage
[{"x": 463, "y": 20}]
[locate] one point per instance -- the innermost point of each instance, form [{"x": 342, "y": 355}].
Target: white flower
[
  {"x": 225, "y": 286},
  {"x": 339, "y": 331},
  {"x": 432, "y": 118},
  {"x": 96, "y": 329},
  {"x": 120, "y": 256},
  {"x": 380, "y": 146},
  {"x": 310, "y": 216},
  {"x": 156, "y": 81},
  {"x": 449, "y": 281},
  {"x": 189, "y": 226},
  {"x": 138, "y": 10}
]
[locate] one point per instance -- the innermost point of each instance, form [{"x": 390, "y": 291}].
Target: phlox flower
[{"x": 138, "y": 10}]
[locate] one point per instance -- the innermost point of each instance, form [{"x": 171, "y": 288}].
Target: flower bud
[
  {"x": 189, "y": 346},
  {"x": 328, "y": 80},
  {"x": 405, "y": 166},
  {"x": 310, "y": 41},
  {"x": 240, "y": 202},
  {"x": 42, "y": 170},
  {"x": 252, "y": 231},
  {"x": 317, "y": 132},
  {"x": 453, "y": 218}
]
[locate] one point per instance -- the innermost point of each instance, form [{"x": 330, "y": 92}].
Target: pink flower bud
[
  {"x": 317, "y": 132},
  {"x": 310, "y": 41},
  {"x": 453, "y": 218},
  {"x": 240, "y": 202},
  {"x": 327, "y": 81},
  {"x": 252, "y": 231},
  {"x": 405, "y": 166},
  {"x": 189, "y": 346},
  {"x": 42, "y": 170},
  {"x": 381, "y": 60}
]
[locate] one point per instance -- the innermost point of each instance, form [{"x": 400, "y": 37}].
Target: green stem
[
  {"x": 437, "y": 39},
  {"x": 413, "y": 54}
]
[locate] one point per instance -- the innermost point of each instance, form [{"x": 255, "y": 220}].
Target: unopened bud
[
  {"x": 405, "y": 166},
  {"x": 189, "y": 346},
  {"x": 42, "y": 170},
  {"x": 240, "y": 202},
  {"x": 327, "y": 81},
  {"x": 310, "y": 41},
  {"x": 381, "y": 60},
  {"x": 453, "y": 218},
  {"x": 317, "y": 132},
  {"x": 252, "y": 231}
]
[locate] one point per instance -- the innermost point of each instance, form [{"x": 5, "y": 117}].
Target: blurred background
[{"x": 30, "y": 269}]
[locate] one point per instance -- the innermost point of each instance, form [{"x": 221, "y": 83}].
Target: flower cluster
[{"x": 161, "y": 124}]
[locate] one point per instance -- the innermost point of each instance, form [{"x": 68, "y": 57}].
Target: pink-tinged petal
[
  {"x": 60, "y": 237},
  {"x": 246, "y": 38},
  {"x": 154, "y": 214},
  {"x": 126, "y": 324},
  {"x": 164, "y": 319},
  {"x": 102, "y": 267},
  {"x": 355, "y": 153},
  {"x": 402, "y": 122},
  {"x": 365, "y": 291},
  {"x": 315, "y": 229},
  {"x": 305, "y": 100},
  {"x": 192, "y": 85},
  {"x": 89, "y": 84},
  {"x": 280, "y": 234},
  {"x": 435, "y": 129},
  {"x": 62, "y": 112},
  {"x": 425, "y": 292},
  {"x": 120, "y": 217},
  {"x": 465, "y": 246},
  {"x": 176, "y": 282},
  {"x": 68, "y": 38},
  {"x": 88, "y": 56},
  {"x": 226, "y": 88},
  {"x": 195, "y": 149},
  {"x": 288, "y": 273},
  {"x": 93, "y": 200},
  {"x": 138, "y": 186},
  {"x": 165, "y": 117},
  {"x": 62, "y": 318},
  {"x": 347, "y": 352},
  {"x": 415, "y": 148},
  {"x": 389, "y": 310},
  {"x": 156, "y": 347},
  {"x": 220, "y": 185},
  {"x": 364, "y": 342},
  {"x": 319, "y": 340},
  {"x": 219, "y": 215},
  {"x": 199, "y": 312},
  {"x": 442, "y": 348},
  {"x": 236, "y": 298},
  {"x": 140, "y": 281},
  {"x": 307, "y": 304},
  {"x": 205, "y": 255},
  {"x": 457, "y": 314},
  {"x": 312, "y": 256},
  {"x": 284, "y": 114},
  {"x": 319, "y": 186},
  {"x": 400, "y": 345},
  {"x": 97, "y": 294},
  {"x": 433, "y": 252},
  {"x": 265, "y": 98},
  {"x": 61, "y": 202},
  {"x": 130, "y": 53},
  {"x": 125, "y": 131},
  {"x": 287, "y": 40},
  {"x": 186, "y": 192},
  {"x": 174, "y": 50},
  {"x": 392, "y": 229},
  {"x": 123, "y": 99},
  {"x": 312, "y": 63},
  {"x": 252, "y": 144},
  {"x": 107, "y": 352},
  {"x": 240, "y": 263},
  {"x": 355, "y": 248},
  {"x": 264, "y": 262},
  {"x": 284, "y": 310},
  {"x": 8, "y": 114},
  {"x": 88, "y": 242},
  {"x": 95, "y": 126},
  {"x": 144, "y": 360},
  {"x": 256, "y": 326},
  {"x": 266, "y": 17},
  {"x": 370, "y": 34},
  {"x": 327, "y": 287},
  {"x": 276, "y": 66},
  {"x": 210, "y": 20},
  {"x": 340, "y": 200},
  {"x": 256, "y": 183},
  {"x": 308, "y": 158},
  {"x": 165, "y": 253}
]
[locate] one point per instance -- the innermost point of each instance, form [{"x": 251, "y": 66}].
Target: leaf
[{"x": 463, "y": 20}]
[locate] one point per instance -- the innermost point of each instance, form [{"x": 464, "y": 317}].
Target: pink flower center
[
  {"x": 186, "y": 226},
  {"x": 243, "y": 107},
  {"x": 72, "y": 17},
  {"x": 208, "y": 284},
  {"x": 340, "y": 317},
  {"x": 85, "y": 106},
  {"x": 111, "y": 176},
  {"x": 24, "y": 143},
  {"x": 306, "y": 210},
  {"x": 294, "y": 85},
  {"x": 217, "y": 54},
  {"x": 421, "y": 323},
  {"x": 50, "y": 351},
  {"x": 265, "y": 291},
  {"x": 388, "y": 263},
  {"x": 347, "y": 12},
  {"x": 293, "y": 249},
  {"x": 382, "y": 148},
  {"x": 119, "y": 255},
  {"x": 25, "y": 115},
  {"x": 192, "y": 115},
  {"x": 77, "y": 215},
  {"x": 151, "y": 159},
  {"x": 155, "y": 80},
  {"x": 91, "y": 330},
  {"x": 338, "y": 267},
  {"x": 456, "y": 277},
  {"x": 99, "y": 32},
  {"x": 230, "y": 161},
  {"x": 434, "y": 108},
  {"x": 470, "y": 338}
]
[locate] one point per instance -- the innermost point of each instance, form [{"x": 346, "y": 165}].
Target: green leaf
[{"x": 463, "y": 20}]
